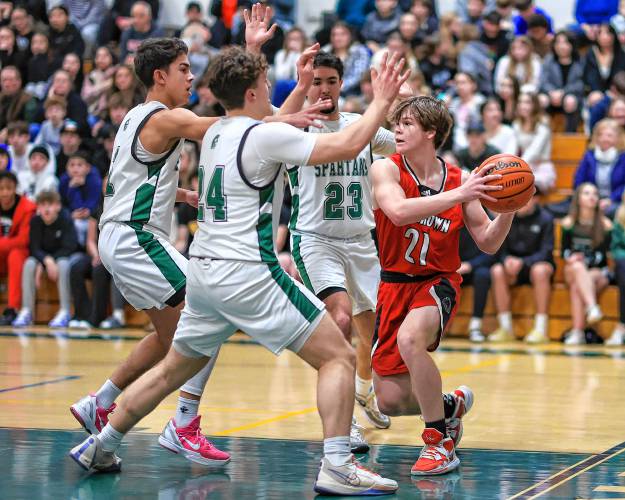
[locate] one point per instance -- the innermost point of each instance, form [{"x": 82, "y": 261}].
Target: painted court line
[
  {"x": 569, "y": 473},
  {"x": 265, "y": 421},
  {"x": 43, "y": 382}
]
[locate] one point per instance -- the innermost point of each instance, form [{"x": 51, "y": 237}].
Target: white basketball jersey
[
  {"x": 236, "y": 219},
  {"x": 334, "y": 199},
  {"x": 141, "y": 187}
]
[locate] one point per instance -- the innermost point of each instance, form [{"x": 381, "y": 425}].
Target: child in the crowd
[
  {"x": 585, "y": 243},
  {"x": 70, "y": 144},
  {"x": 521, "y": 63},
  {"x": 477, "y": 150},
  {"x": 15, "y": 214},
  {"x": 5, "y": 158},
  {"x": 18, "y": 138},
  {"x": 604, "y": 164},
  {"x": 37, "y": 178},
  {"x": 526, "y": 257},
  {"x": 464, "y": 108},
  {"x": 52, "y": 242},
  {"x": 618, "y": 254},
  {"x": 39, "y": 66},
  {"x": 50, "y": 131},
  {"x": 80, "y": 190}
]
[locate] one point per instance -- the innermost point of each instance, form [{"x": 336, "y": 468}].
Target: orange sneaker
[{"x": 438, "y": 456}]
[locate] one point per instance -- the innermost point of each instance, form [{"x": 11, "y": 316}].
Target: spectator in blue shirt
[
  {"x": 526, "y": 8},
  {"x": 354, "y": 12}
]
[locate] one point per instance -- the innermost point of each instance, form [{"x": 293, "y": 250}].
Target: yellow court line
[
  {"x": 469, "y": 368},
  {"x": 610, "y": 489},
  {"x": 260, "y": 423},
  {"x": 578, "y": 473}
]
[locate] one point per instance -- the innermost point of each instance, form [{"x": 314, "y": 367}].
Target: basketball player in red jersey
[{"x": 420, "y": 204}]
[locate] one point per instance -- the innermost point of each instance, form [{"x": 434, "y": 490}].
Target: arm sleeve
[
  {"x": 36, "y": 233},
  {"x": 545, "y": 251},
  {"x": 384, "y": 142},
  {"x": 546, "y": 84},
  {"x": 69, "y": 238},
  {"x": 581, "y": 174},
  {"x": 270, "y": 144}
]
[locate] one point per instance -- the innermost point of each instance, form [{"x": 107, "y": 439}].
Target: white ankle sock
[
  {"x": 118, "y": 314},
  {"x": 540, "y": 323},
  {"x": 337, "y": 450},
  {"x": 363, "y": 386},
  {"x": 186, "y": 411},
  {"x": 110, "y": 438},
  {"x": 505, "y": 320},
  {"x": 475, "y": 324},
  {"x": 107, "y": 394}
]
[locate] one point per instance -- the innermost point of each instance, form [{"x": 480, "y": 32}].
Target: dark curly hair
[
  {"x": 157, "y": 53},
  {"x": 232, "y": 73},
  {"x": 327, "y": 60}
]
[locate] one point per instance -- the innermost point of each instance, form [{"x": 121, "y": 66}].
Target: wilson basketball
[{"x": 517, "y": 180}]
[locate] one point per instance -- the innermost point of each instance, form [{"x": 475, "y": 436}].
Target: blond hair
[
  {"x": 527, "y": 64},
  {"x": 605, "y": 123}
]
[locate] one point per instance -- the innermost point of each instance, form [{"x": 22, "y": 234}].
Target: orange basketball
[{"x": 517, "y": 181}]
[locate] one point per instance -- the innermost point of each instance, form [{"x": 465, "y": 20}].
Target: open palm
[{"x": 257, "y": 30}]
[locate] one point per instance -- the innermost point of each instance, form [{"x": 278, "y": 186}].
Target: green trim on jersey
[
  {"x": 299, "y": 262},
  {"x": 161, "y": 258},
  {"x": 294, "y": 179},
  {"x": 264, "y": 229},
  {"x": 144, "y": 197}
]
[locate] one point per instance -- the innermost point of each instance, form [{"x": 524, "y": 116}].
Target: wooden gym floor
[{"x": 547, "y": 422}]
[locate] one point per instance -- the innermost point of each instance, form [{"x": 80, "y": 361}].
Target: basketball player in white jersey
[
  {"x": 332, "y": 234},
  {"x": 134, "y": 240},
  {"x": 235, "y": 280}
]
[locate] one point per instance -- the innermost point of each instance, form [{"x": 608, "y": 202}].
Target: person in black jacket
[
  {"x": 52, "y": 243},
  {"x": 525, "y": 257},
  {"x": 64, "y": 36},
  {"x": 475, "y": 270},
  {"x": 604, "y": 59}
]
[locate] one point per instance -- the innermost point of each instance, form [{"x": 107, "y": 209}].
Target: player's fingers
[
  {"x": 255, "y": 12},
  {"x": 394, "y": 61},
  {"x": 484, "y": 196},
  {"x": 490, "y": 177},
  {"x": 319, "y": 105},
  {"x": 272, "y": 30},
  {"x": 492, "y": 187},
  {"x": 383, "y": 64},
  {"x": 374, "y": 74},
  {"x": 268, "y": 14},
  {"x": 404, "y": 78},
  {"x": 246, "y": 16}
]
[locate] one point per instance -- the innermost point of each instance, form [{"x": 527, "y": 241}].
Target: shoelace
[
  {"x": 432, "y": 453},
  {"x": 199, "y": 437}
]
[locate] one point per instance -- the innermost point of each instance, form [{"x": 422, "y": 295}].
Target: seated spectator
[
  {"x": 99, "y": 80},
  {"x": 409, "y": 29},
  {"x": 395, "y": 43},
  {"x": 80, "y": 188},
  {"x": 604, "y": 59},
  {"x": 593, "y": 13},
  {"x": 86, "y": 15},
  {"x": 207, "y": 104},
  {"x": 15, "y": 103},
  {"x": 427, "y": 23},
  {"x": 52, "y": 243},
  {"x": 50, "y": 131},
  {"x": 437, "y": 64},
  {"x": 187, "y": 166},
  {"x": 64, "y": 36},
  {"x": 284, "y": 65},
  {"x": 187, "y": 218},
  {"x": 464, "y": 107},
  {"x": 39, "y": 67},
  {"x": 539, "y": 34},
  {"x": 526, "y": 257},
  {"x": 15, "y": 214},
  {"x": 218, "y": 33},
  {"x": 477, "y": 150},
  {"x": 526, "y": 9},
  {"x": 475, "y": 270},
  {"x": 73, "y": 65},
  {"x": 617, "y": 111},
  {"x": 91, "y": 311},
  {"x": 76, "y": 108},
  {"x": 19, "y": 148},
  {"x": 498, "y": 134},
  {"x": 37, "y": 179},
  {"x": 118, "y": 107},
  {"x": 10, "y": 55},
  {"x": 119, "y": 20},
  {"x": 604, "y": 165},
  {"x": 520, "y": 62},
  {"x": 380, "y": 23},
  {"x": 534, "y": 138},
  {"x": 618, "y": 254},
  {"x": 354, "y": 55},
  {"x": 196, "y": 36},
  {"x": 105, "y": 139},
  {"x": 474, "y": 58},
  {"x": 494, "y": 36},
  {"x": 142, "y": 28},
  {"x": 601, "y": 109},
  {"x": 475, "y": 10},
  {"x": 354, "y": 12},
  {"x": 562, "y": 80},
  {"x": 585, "y": 243},
  {"x": 70, "y": 144},
  {"x": 5, "y": 159},
  {"x": 504, "y": 8},
  {"x": 22, "y": 24},
  {"x": 508, "y": 93},
  {"x": 126, "y": 83}
]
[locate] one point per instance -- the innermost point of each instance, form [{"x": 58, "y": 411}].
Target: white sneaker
[
  {"x": 535, "y": 336},
  {"x": 617, "y": 337},
  {"x": 501, "y": 335},
  {"x": 369, "y": 404},
  {"x": 81, "y": 324},
  {"x": 476, "y": 336},
  {"x": 357, "y": 440},
  {"x": 594, "y": 314},
  {"x": 89, "y": 415},
  {"x": 351, "y": 479},
  {"x": 575, "y": 337},
  {"x": 90, "y": 455}
]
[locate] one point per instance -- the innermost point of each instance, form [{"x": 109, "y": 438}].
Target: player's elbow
[{"x": 397, "y": 216}]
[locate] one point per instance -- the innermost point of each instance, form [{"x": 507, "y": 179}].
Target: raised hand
[
  {"x": 257, "y": 30},
  {"x": 308, "y": 117},
  {"x": 305, "y": 62},
  {"x": 387, "y": 82}
]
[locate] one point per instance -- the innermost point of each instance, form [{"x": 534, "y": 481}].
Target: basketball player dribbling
[{"x": 420, "y": 205}]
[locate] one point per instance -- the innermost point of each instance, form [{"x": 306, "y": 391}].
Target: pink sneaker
[
  {"x": 464, "y": 401},
  {"x": 191, "y": 443},
  {"x": 92, "y": 417}
]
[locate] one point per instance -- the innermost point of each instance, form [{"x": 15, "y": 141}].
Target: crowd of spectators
[{"x": 67, "y": 81}]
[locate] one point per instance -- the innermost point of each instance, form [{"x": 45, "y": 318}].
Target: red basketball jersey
[{"x": 429, "y": 246}]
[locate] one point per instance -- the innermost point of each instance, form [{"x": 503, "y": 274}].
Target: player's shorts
[
  {"x": 224, "y": 296},
  {"x": 396, "y": 298},
  {"x": 146, "y": 268},
  {"x": 329, "y": 265}
]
